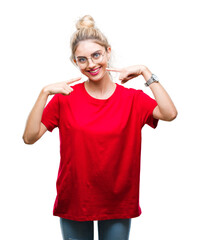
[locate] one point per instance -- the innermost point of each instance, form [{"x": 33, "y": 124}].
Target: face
[{"x": 93, "y": 70}]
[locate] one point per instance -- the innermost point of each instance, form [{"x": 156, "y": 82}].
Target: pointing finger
[
  {"x": 113, "y": 69},
  {"x": 73, "y": 80}
]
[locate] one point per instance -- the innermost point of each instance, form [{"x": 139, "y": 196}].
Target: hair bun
[{"x": 85, "y": 22}]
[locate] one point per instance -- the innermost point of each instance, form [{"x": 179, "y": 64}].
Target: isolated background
[{"x": 34, "y": 51}]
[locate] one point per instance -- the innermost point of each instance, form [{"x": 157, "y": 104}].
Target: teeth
[{"x": 94, "y": 70}]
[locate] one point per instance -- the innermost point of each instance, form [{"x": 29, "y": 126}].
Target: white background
[{"x": 34, "y": 51}]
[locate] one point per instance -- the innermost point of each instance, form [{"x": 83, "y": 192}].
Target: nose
[{"x": 90, "y": 63}]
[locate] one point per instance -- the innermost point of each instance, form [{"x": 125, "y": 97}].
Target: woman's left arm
[{"x": 165, "y": 110}]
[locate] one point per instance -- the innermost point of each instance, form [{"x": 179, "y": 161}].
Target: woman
[{"x": 100, "y": 126}]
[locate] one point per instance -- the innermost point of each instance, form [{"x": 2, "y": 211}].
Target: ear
[{"x": 108, "y": 52}]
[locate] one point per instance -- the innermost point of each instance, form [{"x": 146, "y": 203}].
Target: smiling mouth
[{"x": 95, "y": 71}]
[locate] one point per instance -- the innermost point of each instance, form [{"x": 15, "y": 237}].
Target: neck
[{"x": 100, "y": 86}]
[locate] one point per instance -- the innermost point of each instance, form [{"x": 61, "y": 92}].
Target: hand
[
  {"x": 61, "y": 87},
  {"x": 128, "y": 73}
]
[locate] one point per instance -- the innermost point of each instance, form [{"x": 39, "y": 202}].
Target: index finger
[
  {"x": 73, "y": 80},
  {"x": 113, "y": 69}
]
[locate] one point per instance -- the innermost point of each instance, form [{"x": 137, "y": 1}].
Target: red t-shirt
[{"x": 100, "y": 146}]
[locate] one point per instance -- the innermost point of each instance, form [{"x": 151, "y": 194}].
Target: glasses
[{"x": 83, "y": 62}]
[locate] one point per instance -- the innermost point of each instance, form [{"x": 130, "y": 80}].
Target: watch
[{"x": 153, "y": 78}]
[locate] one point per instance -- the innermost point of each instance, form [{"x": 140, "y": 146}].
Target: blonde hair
[{"x": 86, "y": 30}]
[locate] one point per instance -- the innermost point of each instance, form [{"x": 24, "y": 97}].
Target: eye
[
  {"x": 96, "y": 55},
  {"x": 81, "y": 60}
]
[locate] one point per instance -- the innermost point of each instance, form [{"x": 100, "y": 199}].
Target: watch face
[{"x": 155, "y": 77}]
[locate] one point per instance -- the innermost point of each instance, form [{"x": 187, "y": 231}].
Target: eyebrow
[{"x": 90, "y": 54}]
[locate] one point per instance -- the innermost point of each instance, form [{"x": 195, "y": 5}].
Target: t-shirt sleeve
[
  {"x": 51, "y": 115},
  {"x": 146, "y": 106}
]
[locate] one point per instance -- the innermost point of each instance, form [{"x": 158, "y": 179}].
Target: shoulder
[
  {"x": 129, "y": 91},
  {"x": 77, "y": 85},
  {"x": 136, "y": 96}
]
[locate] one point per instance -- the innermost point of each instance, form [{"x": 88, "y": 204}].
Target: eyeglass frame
[{"x": 87, "y": 62}]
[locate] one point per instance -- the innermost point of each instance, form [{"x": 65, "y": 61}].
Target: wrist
[
  {"x": 142, "y": 69},
  {"x": 45, "y": 91},
  {"x": 145, "y": 72}
]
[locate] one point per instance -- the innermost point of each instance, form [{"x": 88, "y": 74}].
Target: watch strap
[{"x": 152, "y": 79}]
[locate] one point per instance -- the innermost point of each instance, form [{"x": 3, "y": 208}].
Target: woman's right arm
[{"x": 34, "y": 128}]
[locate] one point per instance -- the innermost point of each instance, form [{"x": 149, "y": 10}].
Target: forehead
[{"x": 87, "y": 47}]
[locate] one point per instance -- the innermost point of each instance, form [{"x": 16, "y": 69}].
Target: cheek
[
  {"x": 82, "y": 71},
  {"x": 105, "y": 64}
]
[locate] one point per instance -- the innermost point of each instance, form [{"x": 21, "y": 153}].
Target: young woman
[{"x": 100, "y": 126}]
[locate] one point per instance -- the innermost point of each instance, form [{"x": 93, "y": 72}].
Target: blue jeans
[{"x": 114, "y": 229}]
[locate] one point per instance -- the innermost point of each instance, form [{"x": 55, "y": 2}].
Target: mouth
[{"x": 95, "y": 71}]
